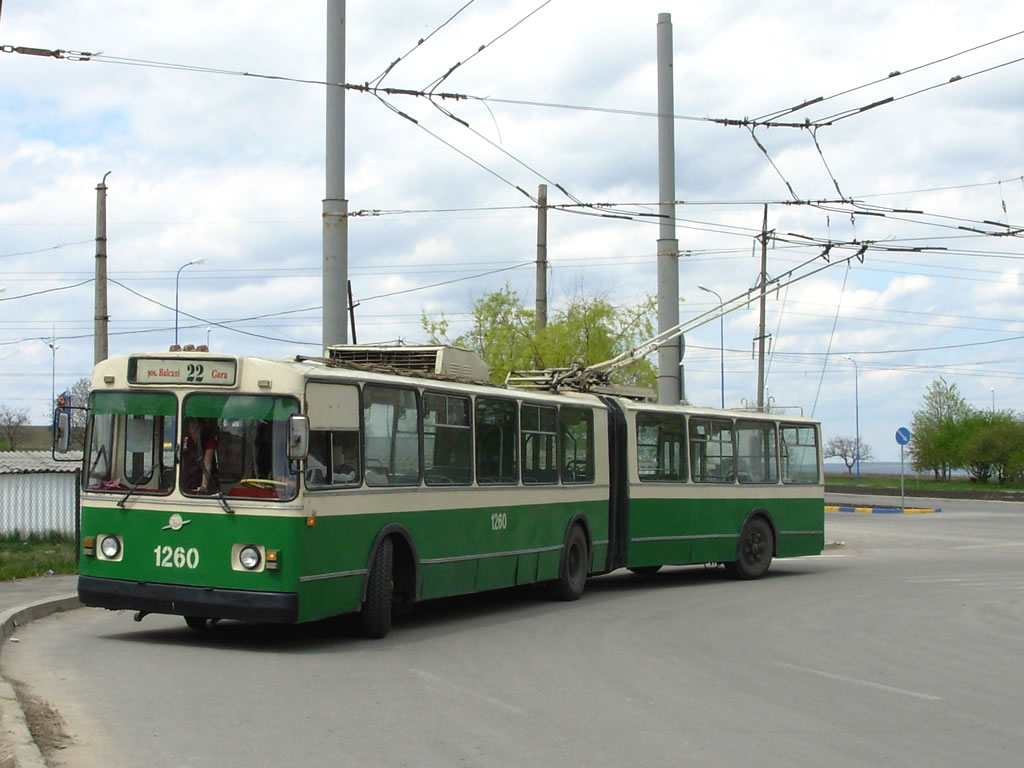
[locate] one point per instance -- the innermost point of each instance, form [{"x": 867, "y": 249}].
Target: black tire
[
  {"x": 375, "y": 615},
  {"x": 572, "y": 573},
  {"x": 197, "y": 622},
  {"x": 753, "y": 551},
  {"x": 644, "y": 570}
]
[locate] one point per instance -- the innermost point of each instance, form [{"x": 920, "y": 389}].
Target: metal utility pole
[
  {"x": 335, "y": 206},
  {"x": 670, "y": 388},
  {"x": 352, "y": 304},
  {"x": 542, "y": 257},
  {"x": 100, "y": 317},
  {"x": 760, "y": 326}
]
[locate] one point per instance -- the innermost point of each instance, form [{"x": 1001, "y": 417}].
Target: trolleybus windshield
[
  {"x": 249, "y": 437},
  {"x": 131, "y": 442}
]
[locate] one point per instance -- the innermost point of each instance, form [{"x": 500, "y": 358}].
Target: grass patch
[
  {"x": 922, "y": 483},
  {"x": 36, "y": 555}
]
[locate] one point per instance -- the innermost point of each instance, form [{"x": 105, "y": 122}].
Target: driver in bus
[{"x": 198, "y": 449}]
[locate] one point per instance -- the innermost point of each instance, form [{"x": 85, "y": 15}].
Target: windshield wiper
[
  {"x": 145, "y": 479},
  {"x": 218, "y": 494}
]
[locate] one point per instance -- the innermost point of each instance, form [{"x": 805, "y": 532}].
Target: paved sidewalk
[{"x": 21, "y": 601}]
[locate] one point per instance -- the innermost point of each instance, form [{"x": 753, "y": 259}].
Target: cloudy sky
[{"x": 230, "y": 169}]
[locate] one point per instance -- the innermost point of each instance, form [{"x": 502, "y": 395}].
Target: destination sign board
[{"x": 195, "y": 371}]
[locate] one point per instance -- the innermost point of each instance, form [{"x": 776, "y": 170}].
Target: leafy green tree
[
  {"x": 990, "y": 440},
  {"x": 585, "y": 331},
  {"x": 937, "y": 430}
]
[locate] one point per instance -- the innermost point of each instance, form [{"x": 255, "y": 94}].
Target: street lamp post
[
  {"x": 52, "y": 344},
  {"x": 993, "y": 391},
  {"x": 856, "y": 410},
  {"x": 721, "y": 338},
  {"x": 177, "y": 277}
]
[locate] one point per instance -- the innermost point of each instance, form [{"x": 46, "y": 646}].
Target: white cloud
[{"x": 230, "y": 169}]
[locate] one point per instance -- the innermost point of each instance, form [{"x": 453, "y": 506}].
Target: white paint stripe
[
  {"x": 468, "y": 691},
  {"x": 865, "y": 683}
]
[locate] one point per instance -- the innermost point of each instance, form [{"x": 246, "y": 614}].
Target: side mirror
[
  {"x": 62, "y": 436},
  {"x": 298, "y": 437}
]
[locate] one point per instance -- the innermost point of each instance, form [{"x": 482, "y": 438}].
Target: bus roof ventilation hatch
[{"x": 439, "y": 360}]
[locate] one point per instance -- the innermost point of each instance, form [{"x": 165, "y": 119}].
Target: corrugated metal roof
[{"x": 24, "y": 462}]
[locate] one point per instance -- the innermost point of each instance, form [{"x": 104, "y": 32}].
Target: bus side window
[
  {"x": 757, "y": 452},
  {"x": 661, "y": 447},
  {"x": 540, "y": 463},
  {"x": 712, "y": 454},
  {"x": 799, "y": 454},
  {"x": 447, "y": 439},
  {"x": 496, "y": 440},
  {"x": 345, "y": 457},
  {"x": 391, "y": 435},
  {"x": 577, "y": 433},
  {"x": 319, "y": 458}
]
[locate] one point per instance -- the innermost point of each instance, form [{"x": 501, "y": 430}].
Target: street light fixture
[
  {"x": 856, "y": 400},
  {"x": 177, "y": 277},
  {"x": 721, "y": 338}
]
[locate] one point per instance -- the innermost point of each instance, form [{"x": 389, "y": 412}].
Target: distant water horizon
[{"x": 882, "y": 468}]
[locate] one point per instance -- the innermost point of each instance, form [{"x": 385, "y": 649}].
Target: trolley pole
[{"x": 100, "y": 317}]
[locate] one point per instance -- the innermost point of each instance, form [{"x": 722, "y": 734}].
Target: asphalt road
[{"x": 903, "y": 646}]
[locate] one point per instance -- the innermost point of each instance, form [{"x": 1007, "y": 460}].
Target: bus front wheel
[
  {"x": 572, "y": 574},
  {"x": 375, "y": 615},
  {"x": 754, "y": 550}
]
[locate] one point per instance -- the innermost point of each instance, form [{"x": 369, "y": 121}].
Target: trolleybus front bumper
[{"x": 208, "y": 602}]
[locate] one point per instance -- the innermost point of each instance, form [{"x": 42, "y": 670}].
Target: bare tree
[
  {"x": 79, "y": 401},
  {"x": 12, "y": 421},
  {"x": 846, "y": 449}
]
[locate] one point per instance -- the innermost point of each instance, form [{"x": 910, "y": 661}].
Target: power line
[
  {"x": 896, "y": 73},
  {"x": 433, "y": 85},
  {"x": 44, "y": 250},
  {"x": 380, "y": 78}
]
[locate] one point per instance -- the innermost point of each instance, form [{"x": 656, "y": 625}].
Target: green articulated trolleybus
[{"x": 230, "y": 487}]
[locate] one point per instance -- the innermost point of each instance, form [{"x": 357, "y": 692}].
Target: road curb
[
  {"x": 17, "y": 747},
  {"x": 882, "y": 510}
]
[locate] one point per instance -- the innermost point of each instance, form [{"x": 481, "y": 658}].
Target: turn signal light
[
  {"x": 273, "y": 559},
  {"x": 89, "y": 546}
]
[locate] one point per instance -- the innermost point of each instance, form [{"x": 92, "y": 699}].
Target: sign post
[{"x": 902, "y": 437}]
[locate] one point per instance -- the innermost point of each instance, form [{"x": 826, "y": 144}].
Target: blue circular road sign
[{"x": 902, "y": 435}]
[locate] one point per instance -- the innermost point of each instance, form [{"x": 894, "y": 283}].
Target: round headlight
[
  {"x": 249, "y": 557},
  {"x": 110, "y": 546}
]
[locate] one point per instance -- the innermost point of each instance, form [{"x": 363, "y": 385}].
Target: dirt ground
[{"x": 45, "y": 725}]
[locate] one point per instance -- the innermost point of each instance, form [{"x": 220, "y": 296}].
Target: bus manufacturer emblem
[{"x": 175, "y": 523}]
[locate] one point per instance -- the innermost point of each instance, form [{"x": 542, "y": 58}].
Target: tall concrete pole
[
  {"x": 669, "y": 374},
  {"x": 542, "y": 257},
  {"x": 335, "y": 206},
  {"x": 100, "y": 317}
]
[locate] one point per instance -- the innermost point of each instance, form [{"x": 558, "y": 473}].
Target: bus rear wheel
[
  {"x": 197, "y": 622},
  {"x": 375, "y": 615},
  {"x": 753, "y": 551},
  {"x": 572, "y": 574}
]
